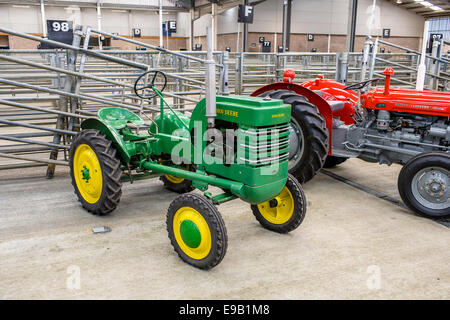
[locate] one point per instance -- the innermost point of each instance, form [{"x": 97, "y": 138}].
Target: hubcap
[
  {"x": 279, "y": 209},
  {"x": 87, "y": 173},
  {"x": 192, "y": 233},
  {"x": 296, "y": 143},
  {"x": 430, "y": 187}
]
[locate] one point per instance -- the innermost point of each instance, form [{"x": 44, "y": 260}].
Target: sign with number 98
[{"x": 60, "y": 30}]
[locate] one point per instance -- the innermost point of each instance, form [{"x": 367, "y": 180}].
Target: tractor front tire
[
  {"x": 333, "y": 161},
  {"x": 197, "y": 231},
  {"x": 95, "y": 172},
  {"x": 424, "y": 184},
  {"x": 308, "y": 135},
  {"x": 286, "y": 211}
]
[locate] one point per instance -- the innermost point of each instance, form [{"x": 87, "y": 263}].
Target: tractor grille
[{"x": 262, "y": 146}]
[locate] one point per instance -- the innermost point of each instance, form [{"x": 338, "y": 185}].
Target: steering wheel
[
  {"x": 360, "y": 85},
  {"x": 149, "y": 85}
]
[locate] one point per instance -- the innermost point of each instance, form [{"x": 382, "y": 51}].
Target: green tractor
[{"x": 191, "y": 153}]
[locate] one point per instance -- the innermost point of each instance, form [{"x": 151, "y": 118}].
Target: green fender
[{"x": 111, "y": 133}]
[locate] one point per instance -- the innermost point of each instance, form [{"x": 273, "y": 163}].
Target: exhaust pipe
[{"x": 210, "y": 81}]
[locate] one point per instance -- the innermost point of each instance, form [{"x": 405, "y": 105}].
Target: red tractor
[{"x": 332, "y": 122}]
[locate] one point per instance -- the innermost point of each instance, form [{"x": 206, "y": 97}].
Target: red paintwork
[
  {"x": 333, "y": 91},
  {"x": 323, "y": 107},
  {"x": 427, "y": 102},
  {"x": 288, "y": 75},
  {"x": 387, "y": 82}
]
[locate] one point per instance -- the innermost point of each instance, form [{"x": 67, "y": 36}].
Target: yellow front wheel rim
[
  {"x": 192, "y": 233},
  {"x": 279, "y": 209},
  {"x": 87, "y": 173}
]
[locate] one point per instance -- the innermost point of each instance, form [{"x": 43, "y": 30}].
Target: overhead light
[
  {"x": 425, "y": 3},
  {"x": 20, "y": 6},
  {"x": 436, "y": 8},
  {"x": 399, "y": 1},
  {"x": 122, "y": 11},
  {"x": 72, "y": 8}
]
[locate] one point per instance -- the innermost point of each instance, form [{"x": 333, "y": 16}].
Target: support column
[
  {"x": 351, "y": 25},
  {"x": 422, "y": 68},
  {"x": 99, "y": 24},
  {"x": 245, "y": 33},
  {"x": 161, "y": 40},
  {"x": 191, "y": 34},
  {"x": 44, "y": 25},
  {"x": 214, "y": 25},
  {"x": 365, "y": 60},
  {"x": 287, "y": 8}
]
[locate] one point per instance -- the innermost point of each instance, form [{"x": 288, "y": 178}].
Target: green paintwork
[
  {"x": 252, "y": 112},
  {"x": 190, "y": 234},
  {"x": 246, "y": 111},
  {"x": 175, "y": 131},
  {"x": 112, "y": 134},
  {"x": 85, "y": 173},
  {"x": 170, "y": 132},
  {"x": 119, "y": 117}
]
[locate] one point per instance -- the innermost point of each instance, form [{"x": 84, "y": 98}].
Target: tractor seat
[
  {"x": 119, "y": 117},
  {"x": 336, "y": 105}
]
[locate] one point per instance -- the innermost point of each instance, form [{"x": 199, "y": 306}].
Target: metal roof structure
[{"x": 425, "y": 8}]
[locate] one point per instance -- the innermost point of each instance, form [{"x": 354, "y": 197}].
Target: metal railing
[
  {"x": 45, "y": 94},
  {"x": 406, "y": 65}
]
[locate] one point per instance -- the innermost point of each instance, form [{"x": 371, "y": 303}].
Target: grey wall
[
  {"x": 121, "y": 21},
  {"x": 308, "y": 16},
  {"x": 322, "y": 17}
]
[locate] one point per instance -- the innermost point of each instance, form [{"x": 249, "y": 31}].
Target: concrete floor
[{"x": 351, "y": 245}]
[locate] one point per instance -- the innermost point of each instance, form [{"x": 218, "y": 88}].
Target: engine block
[{"x": 390, "y": 137}]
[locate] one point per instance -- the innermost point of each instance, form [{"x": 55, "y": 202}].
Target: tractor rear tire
[
  {"x": 333, "y": 161},
  {"x": 285, "y": 212},
  {"x": 177, "y": 184},
  {"x": 197, "y": 231},
  {"x": 424, "y": 184},
  {"x": 308, "y": 129},
  {"x": 95, "y": 172}
]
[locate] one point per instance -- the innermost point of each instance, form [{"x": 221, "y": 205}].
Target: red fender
[
  {"x": 314, "y": 98},
  {"x": 332, "y": 91}
]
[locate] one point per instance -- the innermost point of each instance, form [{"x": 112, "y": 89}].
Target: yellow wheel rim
[
  {"x": 279, "y": 209},
  {"x": 192, "y": 233},
  {"x": 174, "y": 179},
  {"x": 87, "y": 173}
]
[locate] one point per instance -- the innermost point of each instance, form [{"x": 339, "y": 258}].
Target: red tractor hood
[{"x": 408, "y": 100}]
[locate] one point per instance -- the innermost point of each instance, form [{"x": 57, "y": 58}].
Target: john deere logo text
[
  {"x": 278, "y": 115},
  {"x": 227, "y": 112}
]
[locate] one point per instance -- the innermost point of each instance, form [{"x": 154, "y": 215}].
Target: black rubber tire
[
  {"x": 410, "y": 169},
  {"x": 333, "y": 161},
  {"x": 182, "y": 187},
  {"x": 219, "y": 238},
  {"x": 314, "y": 130},
  {"x": 111, "y": 172},
  {"x": 298, "y": 214}
]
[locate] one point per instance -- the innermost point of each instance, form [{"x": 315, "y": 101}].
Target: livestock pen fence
[{"x": 45, "y": 94}]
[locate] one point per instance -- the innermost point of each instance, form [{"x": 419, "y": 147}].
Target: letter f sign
[{"x": 248, "y": 10}]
